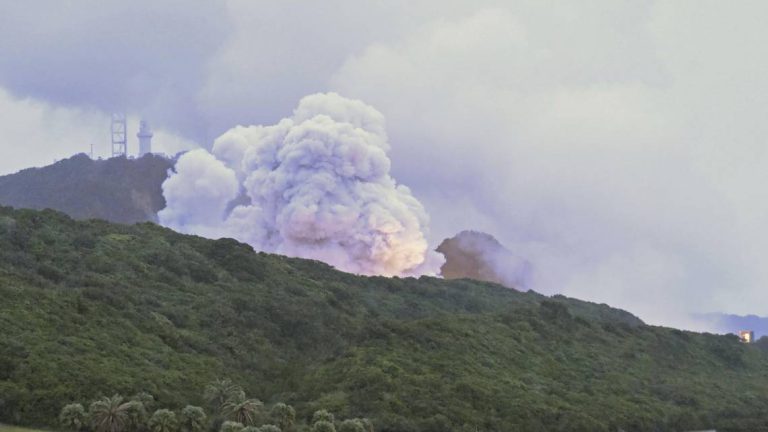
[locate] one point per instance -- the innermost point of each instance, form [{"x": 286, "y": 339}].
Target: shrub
[
  {"x": 352, "y": 425},
  {"x": 163, "y": 420},
  {"x": 73, "y": 417},
  {"x": 322, "y": 415},
  {"x": 230, "y": 426},
  {"x": 323, "y": 426},
  {"x": 192, "y": 419},
  {"x": 283, "y": 415}
]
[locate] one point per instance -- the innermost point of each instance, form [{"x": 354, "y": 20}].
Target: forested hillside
[
  {"x": 91, "y": 308},
  {"x": 118, "y": 189}
]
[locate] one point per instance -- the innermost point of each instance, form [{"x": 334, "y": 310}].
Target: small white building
[
  {"x": 145, "y": 138},
  {"x": 747, "y": 336}
]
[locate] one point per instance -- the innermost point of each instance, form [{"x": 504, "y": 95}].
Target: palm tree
[
  {"x": 163, "y": 420},
  {"x": 221, "y": 391},
  {"x": 284, "y": 416},
  {"x": 243, "y": 411},
  {"x": 137, "y": 416},
  {"x": 192, "y": 419},
  {"x": 108, "y": 414},
  {"x": 72, "y": 417}
]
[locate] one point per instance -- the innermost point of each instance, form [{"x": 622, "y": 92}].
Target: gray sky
[{"x": 619, "y": 146}]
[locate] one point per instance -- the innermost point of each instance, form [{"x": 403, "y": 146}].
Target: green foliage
[
  {"x": 352, "y": 425},
  {"x": 109, "y": 414},
  {"x": 221, "y": 392},
  {"x": 762, "y": 343},
  {"x": 91, "y": 308},
  {"x": 323, "y": 426},
  {"x": 367, "y": 424},
  {"x": 322, "y": 415},
  {"x": 192, "y": 419},
  {"x": 73, "y": 417},
  {"x": 137, "y": 416},
  {"x": 163, "y": 420},
  {"x": 243, "y": 411},
  {"x": 230, "y": 426},
  {"x": 146, "y": 399},
  {"x": 269, "y": 428},
  {"x": 283, "y": 415}
]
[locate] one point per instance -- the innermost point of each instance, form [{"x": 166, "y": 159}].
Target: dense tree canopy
[
  {"x": 117, "y": 189},
  {"x": 91, "y": 308}
]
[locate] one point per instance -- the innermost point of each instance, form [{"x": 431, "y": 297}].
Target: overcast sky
[{"x": 619, "y": 146}]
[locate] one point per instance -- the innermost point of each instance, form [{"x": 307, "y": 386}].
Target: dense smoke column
[{"x": 315, "y": 185}]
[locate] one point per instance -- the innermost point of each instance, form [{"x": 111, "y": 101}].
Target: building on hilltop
[
  {"x": 145, "y": 138},
  {"x": 747, "y": 336}
]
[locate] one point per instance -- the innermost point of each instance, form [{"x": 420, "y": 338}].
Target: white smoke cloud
[
  {"x": 197, "y": 198},
  {"x": 315, "y": 185}
]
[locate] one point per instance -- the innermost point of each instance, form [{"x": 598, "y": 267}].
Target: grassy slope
[
  {"x": 8, "y": 428},
  {"x": 91, "y": 308}
]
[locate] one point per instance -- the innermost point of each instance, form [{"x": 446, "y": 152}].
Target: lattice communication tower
[{"x": 119, "y": 136}]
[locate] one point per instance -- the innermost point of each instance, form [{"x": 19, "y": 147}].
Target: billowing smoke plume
[{"x": 315, "y": 185}]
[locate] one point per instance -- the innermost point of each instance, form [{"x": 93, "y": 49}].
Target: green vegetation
[
  {"x": 118, "y": 189},
  {"x": 73, "y": 417},
  {"x": 283, "y": 415},
  {"x": 90, "y": 309},
  {"x": 193, "y": 419},
  {"x": 112, "y": 414}
]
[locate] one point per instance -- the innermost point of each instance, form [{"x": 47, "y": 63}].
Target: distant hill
[
  {"x": 479, "y": 256},
  {"x": 118, "y": 189},
  {"x": 91, "y": 308},
  {"x": 728, "y": 323}
]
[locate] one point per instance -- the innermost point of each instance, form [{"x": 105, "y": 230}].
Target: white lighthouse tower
[{"x": 145, "y": 138}]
